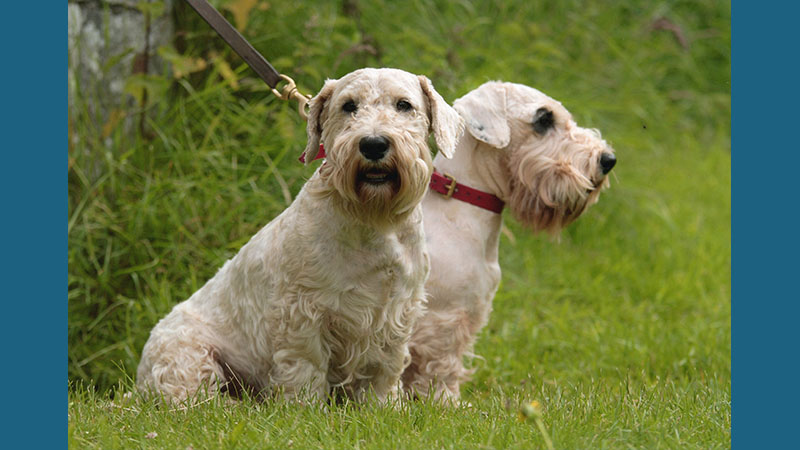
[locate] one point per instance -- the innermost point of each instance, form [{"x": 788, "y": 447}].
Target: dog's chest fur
[{"x": 374, "y": 281}]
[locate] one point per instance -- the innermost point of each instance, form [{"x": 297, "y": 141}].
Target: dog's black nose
[
  {"x": 373, "y": 147},
  {"x": 607, "y": 162}
]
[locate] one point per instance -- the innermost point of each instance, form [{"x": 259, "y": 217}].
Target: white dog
[
  {"x": 523, "y": 149},
  {"x": 325, "y": 296}
]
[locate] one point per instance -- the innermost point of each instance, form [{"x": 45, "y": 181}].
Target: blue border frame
[
  {"x": 764, "y": 267},
  {"x": 765, "y": 157},
  {"x": 35, "y": 195}
]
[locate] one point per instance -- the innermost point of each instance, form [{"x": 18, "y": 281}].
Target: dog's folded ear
[
  {"x": 316, "y": 110},
  {"x": 446, "y": 125},
  {"x": 484, "y": 110}
]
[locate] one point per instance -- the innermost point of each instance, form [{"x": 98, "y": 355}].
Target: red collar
[
  {"x": 320, "y": 155},
  {"x": 446, "y": 185}
]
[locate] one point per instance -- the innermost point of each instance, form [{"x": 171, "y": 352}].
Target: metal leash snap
[
  {"x": 289, "y": 91},
  {"x": 302, "y": 105}
]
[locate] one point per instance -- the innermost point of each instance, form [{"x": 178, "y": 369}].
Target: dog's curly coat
[{"x": 326, "y": 295}]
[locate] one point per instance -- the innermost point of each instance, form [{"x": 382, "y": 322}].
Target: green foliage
[
  {"x": 154, "y": 9},
  {"x": 621, "y": 329}
]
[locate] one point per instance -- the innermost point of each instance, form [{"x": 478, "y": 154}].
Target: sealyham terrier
[
  {"x": 324, "y": 298},
  {"x": 524, "y": 149}
]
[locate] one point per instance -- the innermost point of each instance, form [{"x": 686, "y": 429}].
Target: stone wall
[{"x": 108, "y": 41}]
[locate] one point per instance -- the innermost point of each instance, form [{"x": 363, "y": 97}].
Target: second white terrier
[
  {"x": 523, "y": 149},
  {"x": 326, "y": 295}
]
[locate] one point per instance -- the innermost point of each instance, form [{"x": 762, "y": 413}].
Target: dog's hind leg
[{"x": 179, "y": 361}]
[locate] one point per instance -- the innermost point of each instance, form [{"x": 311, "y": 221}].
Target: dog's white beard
[
  {"x": 548, "y": 194},
  {"x": 378, "y": 204}
]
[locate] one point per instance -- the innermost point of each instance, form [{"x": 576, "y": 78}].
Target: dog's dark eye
[
  {"x": 404, "y": 106},
  {"x": 543, "y": 120},
  {"x": 349, "y": 106}
]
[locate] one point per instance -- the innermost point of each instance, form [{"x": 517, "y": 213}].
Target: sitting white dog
[
  {"x": 523, "y": 149},
  {"x": 326, "y": 295}
]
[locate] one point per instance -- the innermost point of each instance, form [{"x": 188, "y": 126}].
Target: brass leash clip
[{"x": 289, "y": 91}]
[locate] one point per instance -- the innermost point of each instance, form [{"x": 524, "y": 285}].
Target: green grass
[{"x": 620, "y": 329}]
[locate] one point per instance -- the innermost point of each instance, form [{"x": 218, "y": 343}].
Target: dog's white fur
[
  {"x": 325, "y": 296},
  {"x": 547, "y": 180}
]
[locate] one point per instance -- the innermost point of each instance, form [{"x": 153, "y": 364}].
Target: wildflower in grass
[{"x": 533, "y": 410}]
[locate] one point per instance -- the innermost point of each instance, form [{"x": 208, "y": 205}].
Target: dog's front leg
[
  {"x": 386, "y": 384},
  {"x": 301, "y": 366},
  {"x": 437, "y": 367},
  {"x": 299, "y": 378}
]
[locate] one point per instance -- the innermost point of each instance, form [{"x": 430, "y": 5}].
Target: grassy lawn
[{"x": 620, "y": 329}]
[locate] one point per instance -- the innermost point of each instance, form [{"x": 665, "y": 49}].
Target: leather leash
[{"x": 251, "y": 56}]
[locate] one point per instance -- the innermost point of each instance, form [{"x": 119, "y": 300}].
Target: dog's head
[
  {"x": 374, "y": 126},
  {"x": 554, "y": 168}
]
